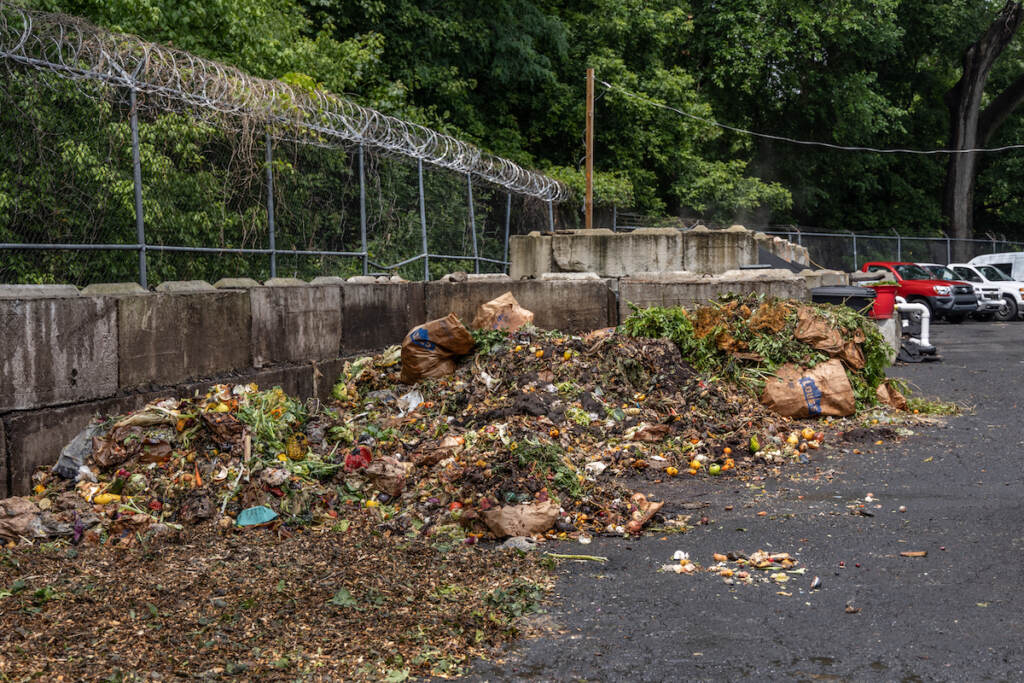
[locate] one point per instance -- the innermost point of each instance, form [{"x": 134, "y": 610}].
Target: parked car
[
  {"x": 1011, "y": 263},
  {"x": 1011, "y": 291},
  {"x": 990, "y": 295},
  {"x": 947, "y": 299}
]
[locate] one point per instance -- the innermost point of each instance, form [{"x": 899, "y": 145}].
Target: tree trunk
[{"x": 966, "y": 122}]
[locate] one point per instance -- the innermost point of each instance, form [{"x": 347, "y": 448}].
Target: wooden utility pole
[{"x": 589, "y": 202}]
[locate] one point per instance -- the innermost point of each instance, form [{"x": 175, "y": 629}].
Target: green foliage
[
  {"x": 723, "y": 327},
  {"x": 485, "y": 340},
  {"x": 507, "y": 75},
  {"x": 521, "y": 598},
  {"x": 547, "y": 458}
]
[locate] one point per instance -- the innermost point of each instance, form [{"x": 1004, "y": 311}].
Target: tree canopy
[{"x": 509, "y": 76}]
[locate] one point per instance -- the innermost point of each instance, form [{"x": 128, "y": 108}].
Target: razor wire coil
[{"x": 79, "y": 50}]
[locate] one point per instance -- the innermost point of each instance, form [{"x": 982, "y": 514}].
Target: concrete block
[
  {"x": 235, "y": 283},
  {"x": 114, "y": 289},
  {"x": 716, "y": 251},
  {"x": 530, "y": 255},
  {"x": 689, "y": 293},
  {"x": 5, "y": 485},
  {"x": 612, "y": 254},
  {"x": 572, "y": 306},
  {"x": 824, "y": 278},
  {"x": 570, "y": 276},
  {"x": 379, "y": 315},
  {"x": 488, "y": 277},
  {"x": 184, "y": 287},
  {"x": 362, "y": 280},
  {"x": 36, "y": 437},
  {"x": 166, "y": 339},
  {"x": 332, "y": 280},
  {"x": 56, "y": 351},
  {"x": 891, "y": 332},
  {"x": 285, "y": 282},
  {"x": 37, "y": 291},
  {"x": 295, "y": 324}
]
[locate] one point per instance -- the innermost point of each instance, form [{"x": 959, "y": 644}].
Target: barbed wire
[{"x": 78, "y": 50}]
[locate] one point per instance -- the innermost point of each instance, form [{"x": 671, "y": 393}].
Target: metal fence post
[
  {"x": 140, "y": 226},
  {"x": 949, "y": 251},
  {"x": 615, "y": 217},
  {"x": 899, "y": 248},
  {"x": 270, "y": 205},
  {"x": 508, "y": 224},
  {"x": 551, "y": 216},
  {"x": 855, "y": 251},
  {"x": 423, "y": 223},
  {"x": 472, "y": 223},
  {"x": 362, "y": 212}
]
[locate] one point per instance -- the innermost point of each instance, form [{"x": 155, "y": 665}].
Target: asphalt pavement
[{"x": 955, "y": 614}]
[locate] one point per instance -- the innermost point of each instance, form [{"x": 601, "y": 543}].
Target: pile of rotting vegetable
[
  {"x": 745, "y": 340},
  {"x": 524, "y": 438}
]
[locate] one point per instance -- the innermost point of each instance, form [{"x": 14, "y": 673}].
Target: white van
[{"x": 1011, "y": 263}]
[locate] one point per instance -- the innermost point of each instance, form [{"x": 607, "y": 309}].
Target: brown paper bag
[
  {"x": 427, "y": 350},
  {"x": 853, "y": 355},
  {"x": 815, "y": 332},
  {"x": 503, "y": 313},
  {"x": 890, "y": 395},
  {"x": 521, "y": 520},
  {"x": 823, "y": 390}
]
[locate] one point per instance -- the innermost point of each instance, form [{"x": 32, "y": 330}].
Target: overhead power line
[{"x": 795, "y": 141}]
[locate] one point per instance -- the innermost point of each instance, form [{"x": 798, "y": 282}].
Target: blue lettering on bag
[
  {"x": 421, "y": 338},
  {"x": 812, "y": 395}
]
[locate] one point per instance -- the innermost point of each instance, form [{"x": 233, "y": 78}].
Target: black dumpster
[{"x": 857, "y": 298}]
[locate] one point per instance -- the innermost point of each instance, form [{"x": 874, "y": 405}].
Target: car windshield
[
  {"x": 994, "y": 274},
  {"x": 967, "y": 274},
  {"x": 944, "y": 273},
  {"x": 911, "y": 272}
]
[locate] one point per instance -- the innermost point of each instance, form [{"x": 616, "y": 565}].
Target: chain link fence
[
  {"x": 849, "y": 251},
  {"x": 122, "y": 160}
]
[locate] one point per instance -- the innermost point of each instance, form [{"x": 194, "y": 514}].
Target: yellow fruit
[
  {"x": 105, "y": 498},
  {"x": 372, "y": 503},
  {"x": 671, "y": 471},
  {"x": 694, "y": 464},
  {"x": 540, "y": 353},
  {"x": 807, "y": 433},
  {"x": 39, "y": 488},
  {"x": 567, "y": 354},
  {"x": 793, "y": 439}
]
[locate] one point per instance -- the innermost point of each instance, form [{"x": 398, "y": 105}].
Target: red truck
[{"x": 949, "y": 299}]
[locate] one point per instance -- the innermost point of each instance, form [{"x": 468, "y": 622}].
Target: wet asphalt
[{"x": 956, "y": 614}]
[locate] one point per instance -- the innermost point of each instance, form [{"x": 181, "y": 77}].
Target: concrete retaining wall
[
  {"x": 570, "y": 305},
  {"x": 56, "y": 350},
  {"x": 690, "y": 289},
  {"x": 66, "y": 357},
  {"x": 647, "y": 250}
]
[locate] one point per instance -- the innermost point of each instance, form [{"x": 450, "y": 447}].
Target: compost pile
[
  {"x": 748, "y": 339},
  {"x": 523, "y": 438}
]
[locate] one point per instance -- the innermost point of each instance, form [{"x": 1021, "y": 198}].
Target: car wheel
[
  {"x": 915, "y": 316},
  {"x": 955, "y": 318},
  {"x": 1009, "y": 309}
]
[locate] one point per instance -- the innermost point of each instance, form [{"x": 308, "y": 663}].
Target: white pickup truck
[
  {"x": 990, "y": 300},
  {"x": 1011, "y": 290}
]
